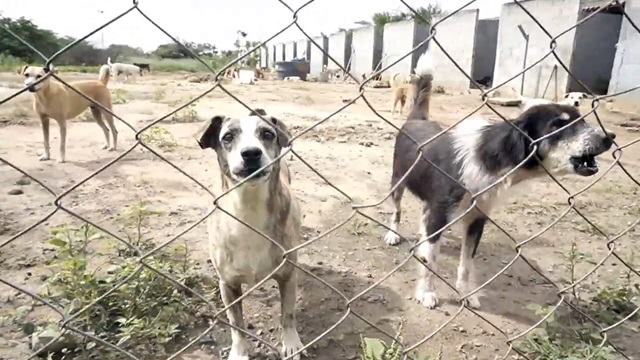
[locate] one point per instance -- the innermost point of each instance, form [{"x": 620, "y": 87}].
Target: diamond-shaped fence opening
[{"x": 564, "y": 323}]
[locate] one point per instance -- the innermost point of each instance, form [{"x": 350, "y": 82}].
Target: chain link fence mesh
[{"x": 66, "y": 318}]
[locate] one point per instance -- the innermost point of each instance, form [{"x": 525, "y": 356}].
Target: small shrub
[
  {"x": 119, "y": 96},
  {"x": 21, "y": 112},
  {"x": 187, "y": 115},
  {"x": 376, "y": 349},
  {"x": 148, "y": 311},
  {"x": 439, "y": 90},
  {"x": 569, "y": 334},
  {"x": 159, "y": 137}
]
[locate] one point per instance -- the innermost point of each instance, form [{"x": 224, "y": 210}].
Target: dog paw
[
  {"x": 111, "y": 148},
  {"x": 60, "y": 161},
  {"x": 43, "y": 157},
  {"x": 427, "y": 298},
  {"x": 392, "y": 238},
  {"x": 105, "y": 147},
  {"x": 291, "y": 344},
  {"x": 236, "y": 356},
  {"x": 473, "y": 301}
]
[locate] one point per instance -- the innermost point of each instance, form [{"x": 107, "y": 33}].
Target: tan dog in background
[
  {"x": 54, "y": 100},
  {"x": 401, "y": 93}
]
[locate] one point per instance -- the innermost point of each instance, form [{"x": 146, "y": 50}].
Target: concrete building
[
  {"x": 318, "y": 58},
  {"x": 457, "y": 36},
  {"x": 340, "y": 49},
  {"x": 484, "y": 48},
  {"x": 595, "y": 48},
  {"x": 366, "y": 50},
  {"x": 556, "y": 16},
  {"x": 303, "y": 49},
  {"x": 626, "y": 66},
  {"x": 279, "y": 52},
  {"x": 264, "y": 56},
  {"x": 398, "y": 40},
  {"x": 289, "y": 51}
]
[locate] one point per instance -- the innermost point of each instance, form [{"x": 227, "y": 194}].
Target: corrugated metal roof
[{"x": 609, "y": 7}]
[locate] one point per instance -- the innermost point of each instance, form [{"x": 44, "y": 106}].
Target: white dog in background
[
  {"x": 120, "y": 68},
  {"x": 573, "y": 98}
]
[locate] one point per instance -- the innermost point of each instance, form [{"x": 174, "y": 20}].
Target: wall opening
[
  {"x": 594, "y": 49},
  {"x": 485, "y": 47}
]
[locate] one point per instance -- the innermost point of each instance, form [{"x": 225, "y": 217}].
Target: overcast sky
[{"x": 209, "y": 20}]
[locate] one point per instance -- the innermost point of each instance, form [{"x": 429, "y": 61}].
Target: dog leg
[
  {"x": 428, "y": 252},
  {"x": 63, "y": 140},
  {"x": 44, "y": 120},
  {"x": 240, "y": 346},
  {"x": 290, "y": 339},
  {"x": 423, "y": 220},
  {"x": 97, "y": 115},
  {"x": 114, "y": 131},
  {"x": 466, "y": 268},
  {"x": 392, "y": 237}
]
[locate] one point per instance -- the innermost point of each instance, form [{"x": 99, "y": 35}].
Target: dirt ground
[{"x": 353, "y": 152}]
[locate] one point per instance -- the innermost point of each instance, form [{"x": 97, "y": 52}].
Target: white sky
[{"x": 212, "y": 21}]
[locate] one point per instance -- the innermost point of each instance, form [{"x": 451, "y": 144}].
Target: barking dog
[
  {"x": 53, "y": 100},
  {"x": 573, "y": 99},
  {"x": 477, "y": 153},
  {"x": 240, "y": 255}
]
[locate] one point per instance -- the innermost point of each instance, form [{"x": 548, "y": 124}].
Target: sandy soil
[{"x": 352, "y": 150}]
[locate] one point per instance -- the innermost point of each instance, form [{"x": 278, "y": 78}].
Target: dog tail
[
  {"x": 423, "y": 84},
  {"x": 104, "y": 74}
]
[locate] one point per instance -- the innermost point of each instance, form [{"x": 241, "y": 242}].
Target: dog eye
[
  {"x": 38, "y": 77},
  {"x": 228, "y": 137},
  {"x": 268, "y": 135}
]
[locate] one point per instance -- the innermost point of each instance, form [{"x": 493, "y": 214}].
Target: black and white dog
[{"x": 477, "y": 153}]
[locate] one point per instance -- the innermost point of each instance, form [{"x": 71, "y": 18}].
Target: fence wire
[{"x": 357, "y": 209}]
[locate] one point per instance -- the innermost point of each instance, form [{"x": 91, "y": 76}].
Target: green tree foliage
[
  {"x": 426, "y": 15},
  {"x": 48, "y": 43}
]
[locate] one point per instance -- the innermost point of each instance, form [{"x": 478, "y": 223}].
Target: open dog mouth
[{"x": 585, "y": 165}]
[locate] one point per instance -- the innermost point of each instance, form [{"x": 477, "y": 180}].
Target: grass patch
[
  {"x": 147, "y": 313},
  {"x": 187, "y": 115},
  {"x": 376, "y": 349},
  {"x": 571, "y": 334}
]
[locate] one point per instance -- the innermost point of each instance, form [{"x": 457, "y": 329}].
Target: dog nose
[
  {"x": 251, "y": 154},
  {"x": 611, "y": 135}
]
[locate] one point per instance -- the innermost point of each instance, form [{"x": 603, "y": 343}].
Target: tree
[
  {"x": 44, "y": 40},
  {"x": 426, "y": 15}
]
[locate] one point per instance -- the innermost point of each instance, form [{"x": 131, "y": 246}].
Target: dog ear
[
  {"x": 283, "y": 133},
  {"x": 208, "y": 135},
  {"x": 566, "y": 96},
  {"x": 584, "y": 96},
  {"x": 22, "y": 69}
]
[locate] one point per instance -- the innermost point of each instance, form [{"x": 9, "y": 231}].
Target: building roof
[{"x": 606, "y": 7}]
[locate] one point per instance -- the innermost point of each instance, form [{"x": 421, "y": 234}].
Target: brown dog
[
  {"x": 53, "y": 100},
  {"x": 401, "y": 93}
]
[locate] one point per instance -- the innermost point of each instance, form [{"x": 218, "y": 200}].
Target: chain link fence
[{"x": 218, "y": 314}]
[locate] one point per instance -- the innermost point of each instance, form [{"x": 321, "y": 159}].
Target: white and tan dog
[
  {"x": 128, "y": 70},
  {"x": 264, "y": 202},
  {"x": 573, "y": 99},
  {"x": 54, "y": 100}
]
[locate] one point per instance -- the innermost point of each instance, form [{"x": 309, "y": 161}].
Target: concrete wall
[
  {"x": 399, "y": 39},
  {"x": 303, "y": 49},
  {"x": 318, "y": 58},
  {"x": 484, "y": 49},
  {"x": 366, "y": 50},
  {"x": 272, "y": 54},
  {"x": 594, "y": 52},
  {"x": 556, "y": 16},
  {"x": 289, "y": 51},
  {"x": 457, "y": 35},
  {"x": 340, "y": 49},
  {"x": 264, "y": 56},
  {"x": 279, "y": 52},
  {"x": 626, "y": 66}
]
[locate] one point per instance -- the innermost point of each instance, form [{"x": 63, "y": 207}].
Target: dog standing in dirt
[
  {"x": 265, "y": 203},
  {"x": 54, "y": 100},
  {"x": 481, "y": 157}
]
